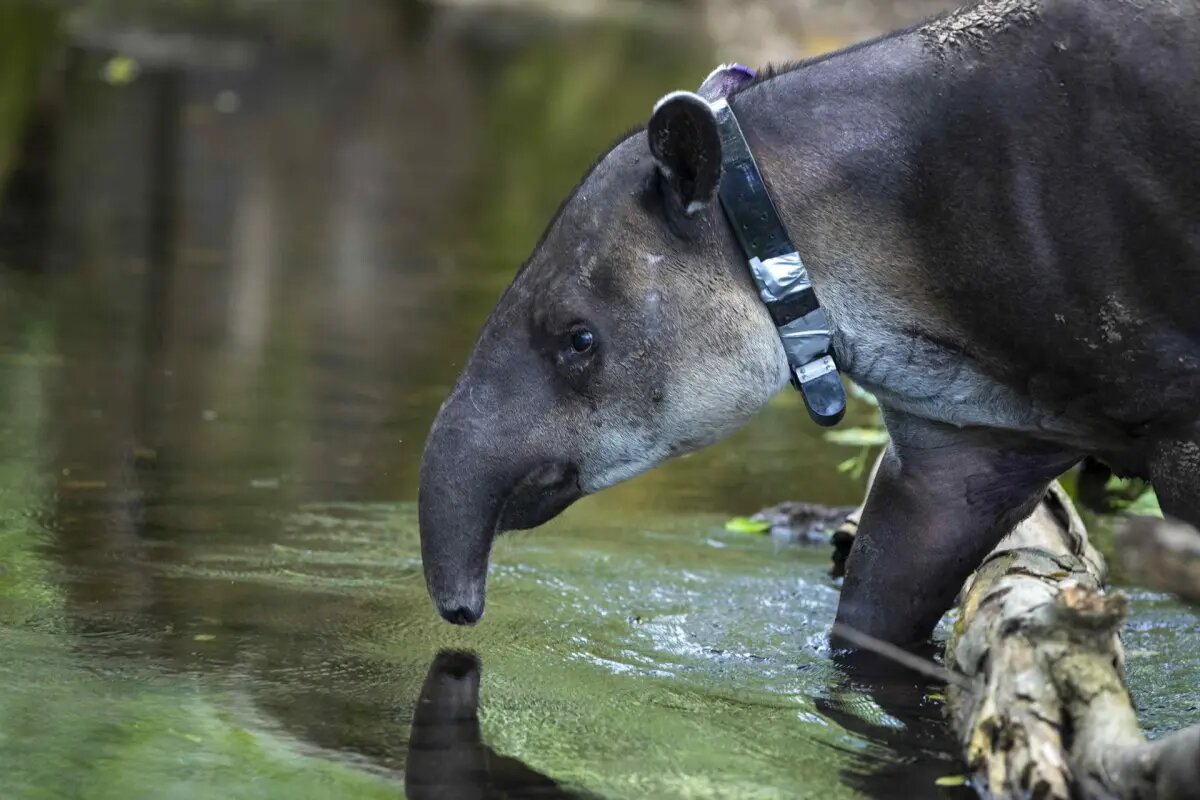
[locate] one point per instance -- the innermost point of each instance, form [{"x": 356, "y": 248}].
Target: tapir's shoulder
[
  {"x": 1103, "y": 15},
  {"x": 1140, "y": 34},
  {"x": 1120, "y": 29}
]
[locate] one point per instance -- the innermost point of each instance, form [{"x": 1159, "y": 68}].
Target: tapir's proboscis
[{"x": 1000, "y": 213}]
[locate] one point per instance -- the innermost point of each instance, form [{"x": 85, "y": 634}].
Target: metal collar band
[{"x": 783, "y": 282}]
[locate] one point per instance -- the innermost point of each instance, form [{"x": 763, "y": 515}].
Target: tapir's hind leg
[
  {"x": 1175, "y": 473},
  {"x": 941, "y": 500}
]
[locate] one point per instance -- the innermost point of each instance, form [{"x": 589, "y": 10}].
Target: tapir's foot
[{"x": 942, "y": 498}]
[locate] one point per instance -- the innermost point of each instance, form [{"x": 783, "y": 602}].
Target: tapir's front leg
[{"x": 942, "y": 498}]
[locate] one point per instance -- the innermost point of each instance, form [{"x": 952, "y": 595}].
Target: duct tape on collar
[{"x": 783, "y": 282}]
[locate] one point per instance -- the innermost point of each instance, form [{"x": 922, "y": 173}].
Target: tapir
[{"x": 999, "y": 210}]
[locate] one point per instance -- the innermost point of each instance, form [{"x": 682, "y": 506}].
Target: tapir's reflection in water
[
  {"x": 448, "y": 760},
  {"x": 447, "y": 757}
]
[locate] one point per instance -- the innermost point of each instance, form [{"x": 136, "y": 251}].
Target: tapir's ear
[
  {"x": 686, "y": 147},
  {"x": 724, "y": 81}
]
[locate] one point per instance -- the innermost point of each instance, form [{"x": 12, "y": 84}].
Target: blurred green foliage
[
  {"x": 210, "y": 16},
  {"x": 1133, "y": 496},
  {"x": 28, "y": 32},
  {"x": 867, "y": 438},
  {"x": 556, "y": 107}
]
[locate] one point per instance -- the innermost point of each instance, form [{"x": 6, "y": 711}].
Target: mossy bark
[{"x": 1044, "y": 712}]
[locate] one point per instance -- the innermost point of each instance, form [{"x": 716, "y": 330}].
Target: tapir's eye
[{"x": 582, "y": 340}]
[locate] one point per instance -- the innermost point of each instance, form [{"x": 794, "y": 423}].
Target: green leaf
[
  {"x": 849, "y": 465},
  {"x": 1146, "y": 505},
  {"x": 1119, "y": 485},
  {"x": 862, "y": 394},
  {"x": 858, "y": 437},
  {"x": 1132, "y": 496},
  {"x": 120, "y": 71},
  {"x": 952, "y": 780},
  {"x": 747, "y": 525}
]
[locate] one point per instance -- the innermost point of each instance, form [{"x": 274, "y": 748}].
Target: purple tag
[{"x": 724, "y": 80}]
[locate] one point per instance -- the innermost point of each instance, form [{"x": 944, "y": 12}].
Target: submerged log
[
  {"x": 1038, "y": 699},
  {"x": 1163, "y": 554},
  {"x": 803, "y": 523}
]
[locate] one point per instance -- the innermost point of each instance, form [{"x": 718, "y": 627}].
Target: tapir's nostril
[
  {"x": 461, "y": 616},
  {"x": 462, "y": 604}
]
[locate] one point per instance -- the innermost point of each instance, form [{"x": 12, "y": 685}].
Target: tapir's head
[{"x": 632, "y": 334}]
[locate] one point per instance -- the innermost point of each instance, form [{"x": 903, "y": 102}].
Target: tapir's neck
[
  {"x": 847, "y": 146},
  {"x": 834, "y": 141},
  {"x": 963, "y": 197}
]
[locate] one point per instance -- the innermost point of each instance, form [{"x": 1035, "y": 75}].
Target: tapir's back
[{"x": 1063, "y": 237}]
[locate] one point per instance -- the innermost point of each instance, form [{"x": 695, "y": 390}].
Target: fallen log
[
  {"x": 1037, "y": 696},
  {"x": 1045, "y": 712},
  {"x": 1162, "y": 554}
]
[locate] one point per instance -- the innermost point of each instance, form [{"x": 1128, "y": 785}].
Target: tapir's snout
[
  {"x": 460, "y": 611},
  {"x": 459, "y": 506},
  {"x": 485, "y": 470},
  {"x": 463, "y": 505}
]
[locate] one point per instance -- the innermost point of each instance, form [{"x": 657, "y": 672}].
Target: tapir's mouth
[
  {"x": 539, "y": 497},
  {"x": 459, "y": 587}
]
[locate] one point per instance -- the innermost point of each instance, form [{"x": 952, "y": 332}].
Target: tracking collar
[{"x": 782, "y": 280}]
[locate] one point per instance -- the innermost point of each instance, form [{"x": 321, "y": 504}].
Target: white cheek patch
[
  {"x": 704, "y": 399},
  {"x": 618, "y": 455},
  {"x": 694, "y": 420}
]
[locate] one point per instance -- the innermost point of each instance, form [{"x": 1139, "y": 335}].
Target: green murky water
[{"x": 240, "y": 285}]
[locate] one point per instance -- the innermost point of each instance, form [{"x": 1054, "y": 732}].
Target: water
[{"x": 241, "y": 283}]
